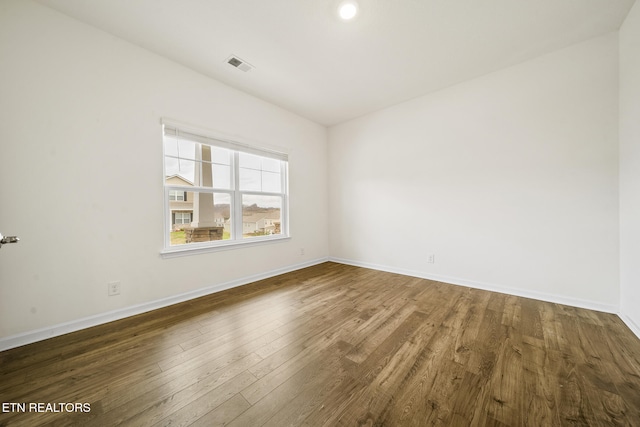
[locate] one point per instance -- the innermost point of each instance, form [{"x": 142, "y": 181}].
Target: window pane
[
  {"x": 205, "y": 217},
  {"x": 259, "y": 174},
  {"x": 179, "y": 172},
  {"x": 170, "y": 146},
  {"x": 171, "y": 166},
  {"x": 186, "y": 149},
  {"x": 261, "y": 215},
  {"x": 179, "y": 148},
  {"x": 220, "y": 155},
  {"x": 222, "y": 213},
  {"x": 250, "y": 180},
  {"x": 271, "y": 165},
  {"x": 221, "y": 176},
  {"x": 249, "y": 161},
  {"x": 190, "y": 173},
  {"x": 271, "y": 182}
]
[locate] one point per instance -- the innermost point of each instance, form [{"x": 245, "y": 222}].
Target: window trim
[{"x": 236, "y": 145}]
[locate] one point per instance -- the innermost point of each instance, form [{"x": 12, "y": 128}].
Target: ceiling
[{"x": 310, "y": 62}]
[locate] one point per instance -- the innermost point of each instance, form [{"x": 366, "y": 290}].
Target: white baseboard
[
  {"x": 558, "y": 299},
  {"x": 87, "y": 322},
  {"x": 635, "y": 328}
]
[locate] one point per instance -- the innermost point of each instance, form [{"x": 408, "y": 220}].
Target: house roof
[
  {"x": 253, "y": 218},
  {"x": 180, "y": 178}
]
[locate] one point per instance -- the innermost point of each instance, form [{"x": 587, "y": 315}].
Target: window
[
  {"x": 178, "y": 196},
  {"x": 182, "y": 218},
  {"x": 220, "y": 193}
]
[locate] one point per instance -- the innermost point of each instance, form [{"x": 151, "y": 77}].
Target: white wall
[
  {"x": 81, "y": 172},
  {"x": 630, "y": 169},
  {"x": 511, "y": 180}
]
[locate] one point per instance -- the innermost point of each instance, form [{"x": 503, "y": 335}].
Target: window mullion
[
  {"x": 284, "y": 210},
  {"x": 237, "y": 198}
]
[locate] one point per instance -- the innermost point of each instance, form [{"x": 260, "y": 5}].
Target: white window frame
[{"x": 237, "y": 240}]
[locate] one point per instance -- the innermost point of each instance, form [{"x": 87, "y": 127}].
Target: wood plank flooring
[{"x": 335, "y": 345}]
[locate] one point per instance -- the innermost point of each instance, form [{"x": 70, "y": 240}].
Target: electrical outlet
[
  {"x": 301, "y": 251},
  {"x": 431, "y": 258},
  {"x": 113, "y": 288}
]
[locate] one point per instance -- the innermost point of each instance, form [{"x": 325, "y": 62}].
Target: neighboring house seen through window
[{"x": 220, "y": 193}]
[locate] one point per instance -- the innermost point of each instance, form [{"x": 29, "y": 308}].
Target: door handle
[{"x": 8, "y": 239}]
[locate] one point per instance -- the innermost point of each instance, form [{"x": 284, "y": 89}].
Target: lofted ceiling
[{"x": 310, "y": 62}]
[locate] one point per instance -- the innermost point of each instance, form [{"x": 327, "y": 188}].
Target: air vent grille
[{"x": 240, "y": 64}]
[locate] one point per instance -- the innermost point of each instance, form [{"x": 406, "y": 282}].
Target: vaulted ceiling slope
[{"x": 312, "y": 63}]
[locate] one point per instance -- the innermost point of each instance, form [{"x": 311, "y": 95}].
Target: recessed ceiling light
[{"x": 348, "y": 10}]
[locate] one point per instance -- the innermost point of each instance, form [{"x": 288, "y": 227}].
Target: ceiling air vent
[{"x": 240, "y": 64}]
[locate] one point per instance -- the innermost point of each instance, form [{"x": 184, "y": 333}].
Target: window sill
[{"x": 195, "y": 249}]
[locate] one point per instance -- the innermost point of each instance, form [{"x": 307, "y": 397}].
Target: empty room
[{"x": 320, "y": 213}]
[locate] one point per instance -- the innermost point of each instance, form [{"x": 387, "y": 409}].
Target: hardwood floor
[{"x": 335, "y": 345}]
